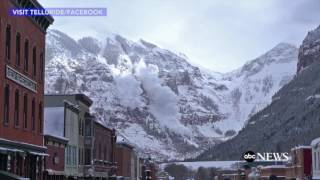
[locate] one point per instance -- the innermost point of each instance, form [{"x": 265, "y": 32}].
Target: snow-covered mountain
[
  {"x": 293, "y": 117},
  {"x": 158, "y": 101}
]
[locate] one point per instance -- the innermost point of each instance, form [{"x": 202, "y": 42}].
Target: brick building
[
  {"x": 149, "y": 169},
  {"x": 54, "y": 163},
  {"x": 75, "y": 106},
  {"x": 315, "y": 144},
  {"x": 300, "y": 166},
  {"x": 22, "y": 49},
  {"x": 55, "y": 141},
  {"x": 124, "y": 154},
  {"x": 277, "y": 170},
  {"x": 102, "y": 142}
]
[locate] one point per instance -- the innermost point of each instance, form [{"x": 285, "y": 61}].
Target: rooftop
[
  {"x": 315, "y": 142},
  {"x": 301, "y": 147},
  {"x": 80, "y": 97}
]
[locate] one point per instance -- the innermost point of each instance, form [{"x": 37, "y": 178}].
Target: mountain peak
[
  {"x": 280, "y": 54},
  {"x": 147, "y": 44},
  {"x": 284, "y": 45}
]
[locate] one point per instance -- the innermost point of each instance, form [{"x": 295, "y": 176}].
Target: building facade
[
  {"x": 55, "y": 162},
  {"x": 22, "y": 49},
  {"x": 124, "y": 153},
  {"x": 315, "y": 144},
  {"x": 300, "y": 166},
  {"x": 91, "y": 146},
  {"x": 102, "y": 164},
  {"x": 55, "y": 141},
  {"x": 77, "y": 106}
]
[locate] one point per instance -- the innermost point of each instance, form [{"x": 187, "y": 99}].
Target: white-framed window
[
  {"x": 318, "y": 160},
  {"x": 314, "y": 160}
]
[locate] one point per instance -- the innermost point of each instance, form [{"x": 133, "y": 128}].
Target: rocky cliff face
[
  {"x": 158, "y": 101},
  {"x": 309, "y": 51}
]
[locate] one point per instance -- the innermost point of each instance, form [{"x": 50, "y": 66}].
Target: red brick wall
[
  {"x": 36, "y": 37},
  {"x": 50, "y": 161},
  {"x": 103, "y": 138},
  {"x": 307, "y": 161}
]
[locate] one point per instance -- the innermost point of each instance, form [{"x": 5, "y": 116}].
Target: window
[
  {"x": 79, "y": 156},
  {"x": 318, "y": 161},
  {"x": 105, "y": 153},
  {"x": 41, "y": 67},
  {"x": 25, "y": 111},
  {"x": 8, "y": 42},
  {"x": 40, "y": 117},
  {"x": 16, "y": 108},
  {"x": 74, "y": 155},
  {"x": 100, "y": 152},
  {"x": 6, "y": 103},
  {"x": 18, "y": 39},
  {"x": 55, "y": 158},
  {"x": 33, "y": 113},
  {"x": 95, "y": 153},
  {"x": 67, "y": 155},
  {"x": 34, "y": 61},
  {"x": 315, "y": 160},
  {"x": 26, "y": 55},
  {"x": 87, "y": 156},
  {"x": 88, "y": 127},
  {"x": 80, "y": 127}
]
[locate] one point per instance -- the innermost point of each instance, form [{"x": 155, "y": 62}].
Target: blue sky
[{"x": 220, "y": 35}]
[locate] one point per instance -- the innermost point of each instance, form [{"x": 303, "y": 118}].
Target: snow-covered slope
[
  {"x": 158, "y": 101},
  {"x": 252, "y": 86}
]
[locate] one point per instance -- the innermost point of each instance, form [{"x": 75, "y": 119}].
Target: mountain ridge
[
  {"x": 291, "y": 119},
  {"x": 154, "y": 97}
]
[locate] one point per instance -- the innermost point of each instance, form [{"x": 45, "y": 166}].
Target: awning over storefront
[
  {"x": 56, "y": 173},
  {"x": 8, "y": 150},
  {"x": 38, "y": 154},
  {"x": 7, "y": 146},
  {"x": 7, "y": 175}
]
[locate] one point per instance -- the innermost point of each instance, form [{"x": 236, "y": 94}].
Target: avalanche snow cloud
[{"x": 155, "y": 98}]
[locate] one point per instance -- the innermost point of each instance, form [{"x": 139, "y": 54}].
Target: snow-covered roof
[
  {"x": 54, "y": 121},
  {"x": 225, "y": 165},
  {"x": 123, "y": 141},
  {"x": 315, "y": 142},
  {"x": 120, "y": 139},
  {"x": 301, "y": 147},
  {"x": 274, "y": 167}
]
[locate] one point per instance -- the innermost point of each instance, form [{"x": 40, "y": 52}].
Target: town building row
[
  {"x": 303, "y": 163},
  {"x": 52, "y": 136},
  {"x": 80, "y": 147}
]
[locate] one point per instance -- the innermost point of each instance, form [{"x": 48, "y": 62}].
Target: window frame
[
  {"x": 25, "y": 111},
  {"x": 26, "y": 55},
  {"x": 41, "y": 69},
  {"x": 34, "y": 62},
  {"x": 6, "y": 114},
  {"x": 8, "y": 43},
  {"x": 40, "y": 118},
  {"x": 33, "y": 114},
  {"x": 16, "y": 108},
  {"x": 18, "y": 49}
]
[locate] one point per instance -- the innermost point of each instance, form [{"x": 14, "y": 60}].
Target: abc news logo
[{"x": 250, "y": 156}]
